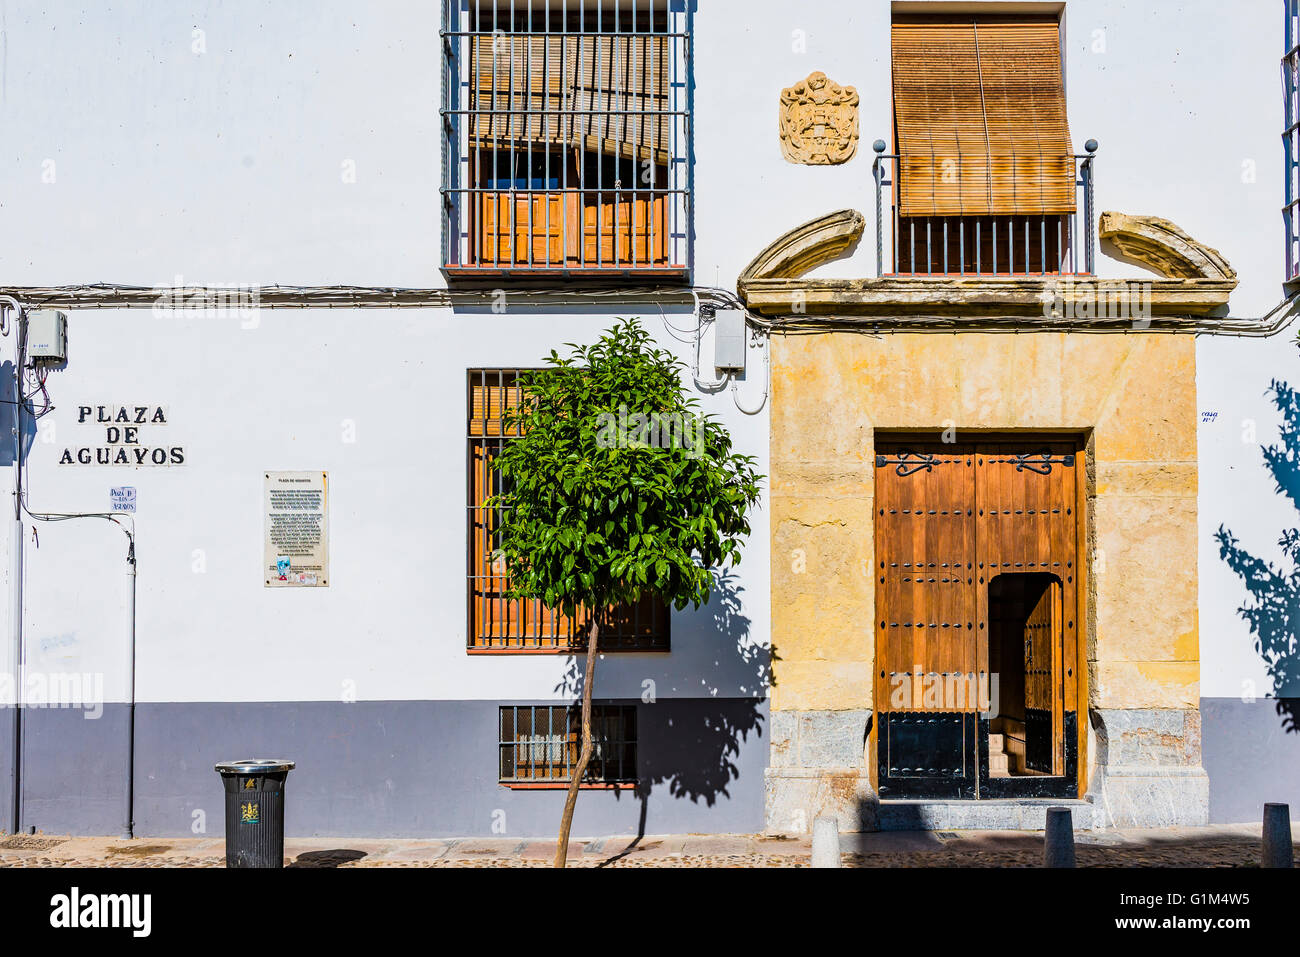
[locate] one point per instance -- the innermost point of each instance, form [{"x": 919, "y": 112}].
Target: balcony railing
[
  {"x": 566, "y": 131},
  {"x": 1002, "y": 245}
]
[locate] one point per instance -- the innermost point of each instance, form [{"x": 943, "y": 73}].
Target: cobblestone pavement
[{"x": 1223, "y": 846}]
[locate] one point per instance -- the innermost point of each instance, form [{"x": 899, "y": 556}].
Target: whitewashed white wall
[
  {"x": 225, "y": 166},
  {"x": 289, "y": 394}
]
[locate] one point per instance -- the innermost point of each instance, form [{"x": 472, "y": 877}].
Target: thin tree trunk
[{"x": 584, "y": 755}]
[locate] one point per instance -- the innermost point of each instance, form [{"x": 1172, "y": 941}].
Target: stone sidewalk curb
[{"x": 1217, "y": 846}]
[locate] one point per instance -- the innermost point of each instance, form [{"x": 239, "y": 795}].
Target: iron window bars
[
  {"x": 1008, "y": 245},
  {"x": 540, "y": 744},
  {"x": 566, "y": 130},
  {"x": 1291, "y": 138},
  {"x": 500, "y": 624}
]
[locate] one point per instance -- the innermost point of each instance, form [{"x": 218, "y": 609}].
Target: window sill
[
  {"x": 564, "y": 786},
  {"x": 524, "y": 271},
  {"x": 488, "y": 652}
]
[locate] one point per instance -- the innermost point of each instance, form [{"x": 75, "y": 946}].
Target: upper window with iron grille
[
  {"x": 985, "y": 179},
  {"x": 566, "y": 128}
]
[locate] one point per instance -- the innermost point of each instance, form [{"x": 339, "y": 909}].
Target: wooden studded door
[
  {"x": 976, "y": 684},
  {"x": 927, "y": 605}
]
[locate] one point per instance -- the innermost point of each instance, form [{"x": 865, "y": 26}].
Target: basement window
[{"x": 539, "y": 744}]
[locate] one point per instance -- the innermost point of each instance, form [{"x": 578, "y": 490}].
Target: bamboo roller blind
[
  {"x": 979, "y": 110},
  {"x": 606, "y": 92}
]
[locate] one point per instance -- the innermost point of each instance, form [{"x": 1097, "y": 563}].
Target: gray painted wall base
[
  {"x": 384, "y": 769},
  {"x": 1250, "y": 755},
  {"x": 428, "y": 768},
  {"x": 6, "y": 766}
]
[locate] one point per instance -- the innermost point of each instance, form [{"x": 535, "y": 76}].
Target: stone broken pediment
[
  {"x": 807, "y": 246},
  {"x": 1198, "y": 281},
  {"x": 1162, "y": 246}
]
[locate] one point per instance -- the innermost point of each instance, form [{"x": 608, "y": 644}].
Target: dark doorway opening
[
  {"x": 1027, "y": 738},
  {"x": 1023, "y": 634}
]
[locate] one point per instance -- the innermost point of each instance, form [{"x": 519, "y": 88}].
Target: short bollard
[
  {"x": 1277, "y": 836},
  {"x": 826, "y": 842},
  {"x": 1058, "y": 840}
]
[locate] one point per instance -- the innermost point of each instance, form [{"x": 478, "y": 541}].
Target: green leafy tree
[{"x": 616, "y": 488}]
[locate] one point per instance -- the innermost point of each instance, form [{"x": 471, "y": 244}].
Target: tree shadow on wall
[
  {"x": 1273, "y": 612},
  {"x": 694, "y": 747},
  {"x": 8, "y": 425}
]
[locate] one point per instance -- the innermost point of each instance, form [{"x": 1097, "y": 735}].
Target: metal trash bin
[{"x": 254, "y": 811}]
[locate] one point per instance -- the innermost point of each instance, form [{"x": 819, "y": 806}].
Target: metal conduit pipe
[
  {"x": 14, "y": 307},
  {"x": 16, "y": 596}
]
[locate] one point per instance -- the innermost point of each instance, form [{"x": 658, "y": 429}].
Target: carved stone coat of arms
[{"x": 819, "y": 121}]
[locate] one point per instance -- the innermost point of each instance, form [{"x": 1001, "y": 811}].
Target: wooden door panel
[
  {"x": 948, "y": 520},
  {"x": 925, "y": 538},
  {"x": 925, "y": 629}
]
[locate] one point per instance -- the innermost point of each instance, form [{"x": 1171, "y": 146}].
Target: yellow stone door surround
[{"x": 1130, "y": 393}]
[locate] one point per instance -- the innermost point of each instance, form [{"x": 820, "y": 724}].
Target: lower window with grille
[
  {"x": 539, "y": 744},
  {"x": 498, "y": 623}
]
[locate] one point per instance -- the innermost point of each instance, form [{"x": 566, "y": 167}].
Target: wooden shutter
[
  {"x": 498, "y": 622},
  {"x": 979, "y": 112},
  {"x": 522, "y": 88}
]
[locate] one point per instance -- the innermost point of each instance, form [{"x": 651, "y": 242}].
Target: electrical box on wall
[
  {"x": 729, "y": 339},
  {"x": 47, "y": 335}
]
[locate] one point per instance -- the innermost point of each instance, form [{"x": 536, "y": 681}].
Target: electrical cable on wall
[
  {"x": 190, "y": 298},
  {"x": 767, "y": 376},
  {"x": 704, "y": 318}
]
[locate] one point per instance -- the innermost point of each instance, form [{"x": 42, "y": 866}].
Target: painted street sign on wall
[
  {"x": 127, "y": 435},
  {"x": 122, "y": 498}
]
